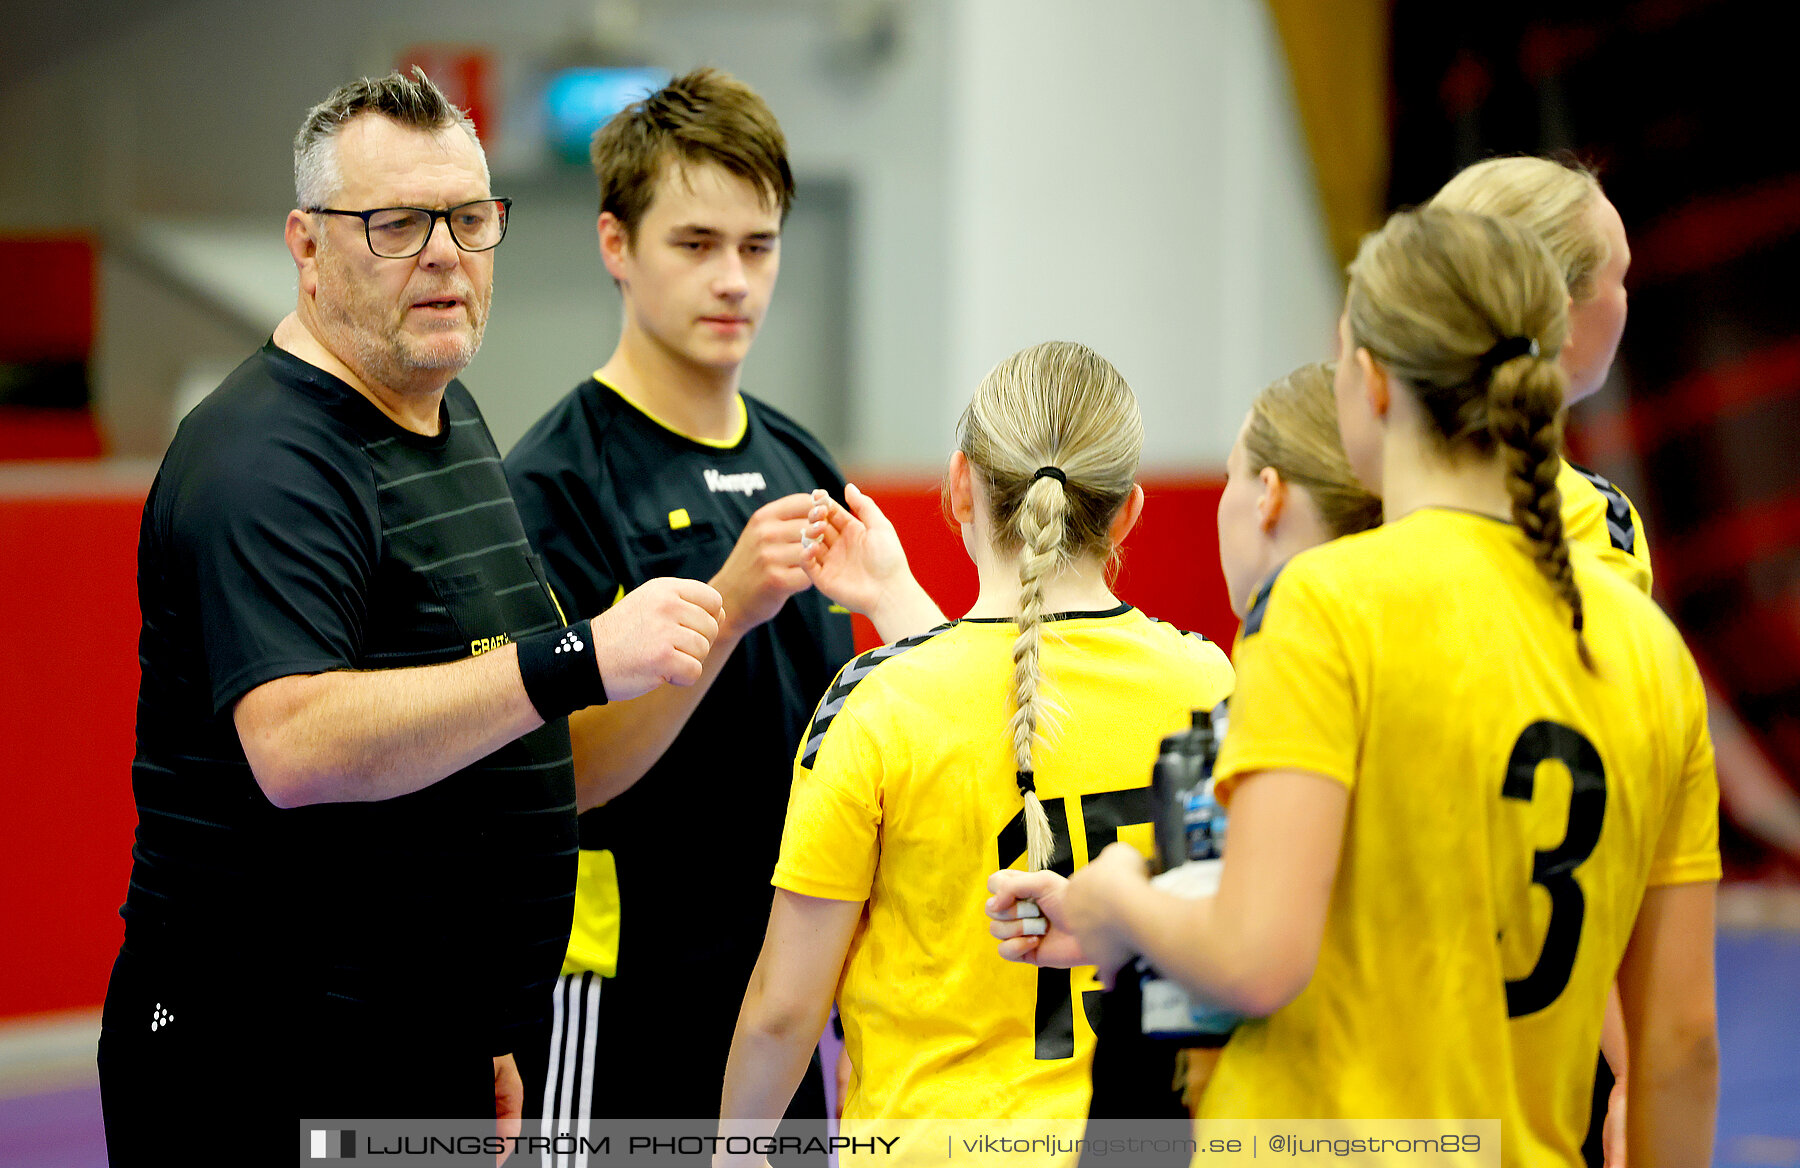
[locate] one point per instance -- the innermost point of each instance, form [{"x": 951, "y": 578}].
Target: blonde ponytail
[
  {"x": 1469, "y": 312},
  {"x": 1041, "y": 524},
  {"x": 1055, "y": 435},
  {"x": 1525, "y": 413}
]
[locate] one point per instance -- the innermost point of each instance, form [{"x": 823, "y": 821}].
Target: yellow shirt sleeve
[
  {"x": 1216, "y": 676},
  {"x": 1598, "y": 514},
  {"x": 1295, "y": 707},
  {"x": 1687, "y": 851},
  {"x": 831, "y": 840}
]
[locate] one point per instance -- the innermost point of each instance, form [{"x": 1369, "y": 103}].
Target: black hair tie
[
  {"x": 1049, "y": 472},
  {"x": 1027, "y": 783},
  {"x": 1506, "y": 348}
]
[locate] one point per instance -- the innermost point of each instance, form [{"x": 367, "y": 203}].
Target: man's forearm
[
  {"x": 352, "y": 737},
  {"x": 617, "y": 744}
]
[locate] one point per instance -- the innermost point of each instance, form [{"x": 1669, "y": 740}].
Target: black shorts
[{"x": 202, "y": 1064}]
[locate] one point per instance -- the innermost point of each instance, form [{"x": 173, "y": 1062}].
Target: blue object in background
[
  {"x": 1205, "y": 823},
  {"x": 579, "y": 101}
]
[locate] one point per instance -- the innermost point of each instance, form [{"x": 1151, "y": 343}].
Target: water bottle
[
  {"x": 1204, "y": 824},
  {"x": 1190, "y": 841},
  {"x": 1183, "y": 768}
]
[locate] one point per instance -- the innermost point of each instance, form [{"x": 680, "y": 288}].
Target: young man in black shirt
[
  {"x": 658, "y": 464},
  {"x": 353, "y": 761}
]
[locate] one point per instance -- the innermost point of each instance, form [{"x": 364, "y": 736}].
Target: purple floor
[
  {"x": 1759, "y": 1108},
  {"x": 1759, "y": 1032},
  {"x": 60, "y": 1129}
]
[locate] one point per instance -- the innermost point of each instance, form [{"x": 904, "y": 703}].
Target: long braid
[
  {"x": 1053, "y": 435},
  {"x": 1524, "y": 403},
  {"x": 1041, "y": 524},
  {"x": 1469, "y": 312}
]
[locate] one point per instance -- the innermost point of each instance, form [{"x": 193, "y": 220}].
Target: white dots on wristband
[{"x": 569, "y": 642}]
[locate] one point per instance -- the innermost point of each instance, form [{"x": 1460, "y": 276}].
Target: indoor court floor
[{"x": 50, "y": 1103}]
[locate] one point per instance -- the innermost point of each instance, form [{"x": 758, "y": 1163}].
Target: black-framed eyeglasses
[{"x": 398, "y": 233}]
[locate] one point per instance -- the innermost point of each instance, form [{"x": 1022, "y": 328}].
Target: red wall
[
  {"x": 1170, "y": 566},
  {"x": 46, "y": 315},
  {"x": 46, "y": 298},
  {"x": 68, "y": 587}
]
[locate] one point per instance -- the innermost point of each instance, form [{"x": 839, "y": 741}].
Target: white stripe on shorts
[
  {"x": 569, "y": 1074},
  {"x": 590, "y": 1037}
]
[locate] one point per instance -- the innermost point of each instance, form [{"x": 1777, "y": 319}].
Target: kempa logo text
[{"x": 747, "y": 483}]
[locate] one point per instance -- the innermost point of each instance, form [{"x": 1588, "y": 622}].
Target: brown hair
[
  {"x": 1551, "y": 197},
  {"x": 1468, "y": 312},
  {"x": 1293, "y": 428},
  {"x": 706, "y": 116},
  {"x": 413, "y": 102},
  {"x": 1061, "y": 406}
]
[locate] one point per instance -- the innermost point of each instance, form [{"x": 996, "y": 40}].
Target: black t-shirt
[
  {"x": 295, "y": 529},
  {"x": 611, "y": 499}
]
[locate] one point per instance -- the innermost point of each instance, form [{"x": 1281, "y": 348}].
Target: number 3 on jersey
[{"x": 1554, "y": 870}]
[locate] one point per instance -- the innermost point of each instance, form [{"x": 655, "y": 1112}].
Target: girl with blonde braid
[
  {"x": 1022, "y": 734},
  {"x": 1564, "y": 205},
  {"x": 1452, "y": 824}
]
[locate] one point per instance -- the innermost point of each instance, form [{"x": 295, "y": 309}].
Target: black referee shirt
[
  {"x": 295, "y": 529},
  {"x": 611, "y": 498}
]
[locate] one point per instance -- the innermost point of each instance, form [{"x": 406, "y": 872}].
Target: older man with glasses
[{"x": 355, "y": 856}]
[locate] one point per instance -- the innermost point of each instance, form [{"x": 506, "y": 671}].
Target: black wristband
[{"x": 559, "y": 671}]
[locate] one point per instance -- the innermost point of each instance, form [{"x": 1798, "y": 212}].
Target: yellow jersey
[
  {"x": 1598, "y": 514},
  {"x": 1508, "y": 809},
  {"x": 905, "y": 796}
]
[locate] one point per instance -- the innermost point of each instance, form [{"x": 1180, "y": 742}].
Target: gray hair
[{"x": 417, "y": 104}]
